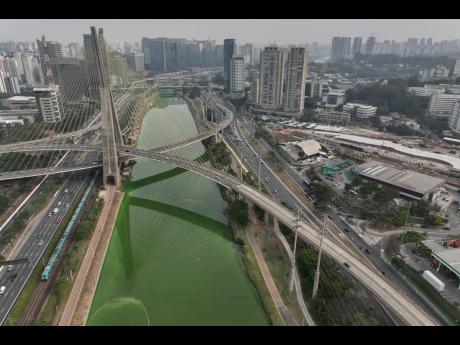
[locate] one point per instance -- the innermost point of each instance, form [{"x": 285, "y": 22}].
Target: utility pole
[
  {"x": 316, "y": 281},
  {"x": 293, "y": 269},
  {"x": 260, "y": 165},
  {"x": 405, "y": 221}
]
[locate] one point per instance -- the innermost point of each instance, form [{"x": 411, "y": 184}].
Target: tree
[
  {"x": 308, "y": 115},
  {"x": 239, "y": 212},
  {"x": 384, "y": 195}
]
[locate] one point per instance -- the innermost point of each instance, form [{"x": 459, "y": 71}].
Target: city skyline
[{"x": 257, "y": 31}]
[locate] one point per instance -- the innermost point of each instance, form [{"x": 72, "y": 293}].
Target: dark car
[
  {"x": 368, "y": 251},
  {"x": 346, "y": 265},
  {"x": 446, "y": 228},
  {"x": 13, "y": 276},
  {"x": 424, "y": 226}
]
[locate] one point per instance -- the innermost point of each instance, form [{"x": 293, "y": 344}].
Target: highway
[
  {"x": 42, "y": 230},
  {"x": 282, "y": 194}
]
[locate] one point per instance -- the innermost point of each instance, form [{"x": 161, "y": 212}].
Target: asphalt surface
[
  {"x": 282, "y": 194},
  {"x": 43, "y": 231}
]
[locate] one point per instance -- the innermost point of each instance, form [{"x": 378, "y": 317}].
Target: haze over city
[
  {"x": 257, "y": 31},
  {"x": 230, "y": 172}
]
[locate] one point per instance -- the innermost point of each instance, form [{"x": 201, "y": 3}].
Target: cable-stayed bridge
[{"x": 108, "y": 126}]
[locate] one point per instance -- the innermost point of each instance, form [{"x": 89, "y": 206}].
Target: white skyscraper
[
  {"x": 49, "y": 103},
  {"x": 296, "y": 73},
  {"x": 271, "y": 78},
  {"x": 28, "y": 66},
  {"x": 237, "y": 74}
]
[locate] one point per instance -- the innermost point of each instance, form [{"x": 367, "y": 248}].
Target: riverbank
[
  {"x": 171, "y": 259},
  {"x": 79, "y": 303}
]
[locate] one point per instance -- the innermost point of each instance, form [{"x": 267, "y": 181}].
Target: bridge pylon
[{"x": 110, "y": 129}]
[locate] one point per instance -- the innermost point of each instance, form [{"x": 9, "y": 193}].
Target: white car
[
  {"x": 59, "y": 203},
  {"x": 2, "y": 289},
  {"x": 9, "y": 268}
]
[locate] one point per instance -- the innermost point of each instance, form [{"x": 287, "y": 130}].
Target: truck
[{"x": 434, "y": 281}]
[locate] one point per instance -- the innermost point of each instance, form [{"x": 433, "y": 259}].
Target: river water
[{"x": 171, "y": 259}]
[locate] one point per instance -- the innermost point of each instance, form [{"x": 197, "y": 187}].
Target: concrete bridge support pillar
[{"x": 266, "y": 217}]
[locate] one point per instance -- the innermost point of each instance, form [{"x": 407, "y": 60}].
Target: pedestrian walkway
[{"x": 269, "y": 281}]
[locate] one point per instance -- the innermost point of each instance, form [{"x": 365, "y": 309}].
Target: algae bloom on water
[{"x": 171, "y": 258}]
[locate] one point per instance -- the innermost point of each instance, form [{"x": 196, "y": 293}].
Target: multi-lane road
[
  {"x": 282, "y": 194},
  {"x": 40, "y": 233}
]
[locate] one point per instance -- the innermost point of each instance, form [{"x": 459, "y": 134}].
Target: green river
[{"x": 171, "y": 259}]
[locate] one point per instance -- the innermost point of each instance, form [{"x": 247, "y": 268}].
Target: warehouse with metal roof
[{"x": 410, "y": 184}]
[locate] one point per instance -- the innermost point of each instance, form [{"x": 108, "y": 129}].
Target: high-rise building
[
  {"x": 370, "y": 44},
  {"x": 340, "y": 48},
  {"x": 357, "y": 42},
  {"x": 28, "y": 64},
  {"x": 441, "y": 105},
  {"x": 135, "y": 61},
  {"x": 454, "y": 118},
  {"x": 117, "y": 69},
  {"x": 255, "y": 92},
  {"x": 296, "y": 73},
  {"x": 49, "y": 104},
  {"x": 237, "y": 75},
  {"x": 456, "y": 72},
  {"x": 271, "y": 78},
  {"x": 229, "y": 52},
  {"x": 53, "y": 50},
  {"x": 247, "y": 52}
]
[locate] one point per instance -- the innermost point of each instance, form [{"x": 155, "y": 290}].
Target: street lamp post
[{"x": 260, "y": 165}]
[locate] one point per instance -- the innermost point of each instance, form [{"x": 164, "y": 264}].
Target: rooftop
[
  {"x": 407, "y": 179},
  {"x": 450, "y": 257},
  {"x": 21, "y": 99},
  {"x": 415, "y": 152},
  {"x": 309, "y": 147}
]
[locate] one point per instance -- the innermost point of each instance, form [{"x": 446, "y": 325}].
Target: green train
[{"x": 65, "y": 236}]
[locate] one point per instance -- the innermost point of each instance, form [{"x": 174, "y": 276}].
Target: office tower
[
  {"x": 154, "y": 50},
  {"x": 370, "y": 44},
  {"x": 314, "y": 47},
  {"x": 237, "y": 74},
  {"x": 357, "y": 42},
  {"x": 411, "y": 47},
  {"x": 49, "y": 103},
  {"x": 9, "y": 76},
  {"x": 271, "y": 77},
  {"x": 340, "y": 48},
  {"x": 229, "y": 51},
  {"x": 247, "y": 52},
  {"x": 51, "y": 49},
  {"x": 255, "y": 92},
  {"x": 135, "y": 61},
  {"x": 74, "y": 50},
  {"x": 169, "y": 54},
  {"x": 296, "y": 73},
  {"x": 28, "y": 64},
  {"x": 117, "y": 69}
]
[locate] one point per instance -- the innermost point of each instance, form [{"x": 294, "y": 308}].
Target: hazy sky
[{"x": 259, "y": 31}]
